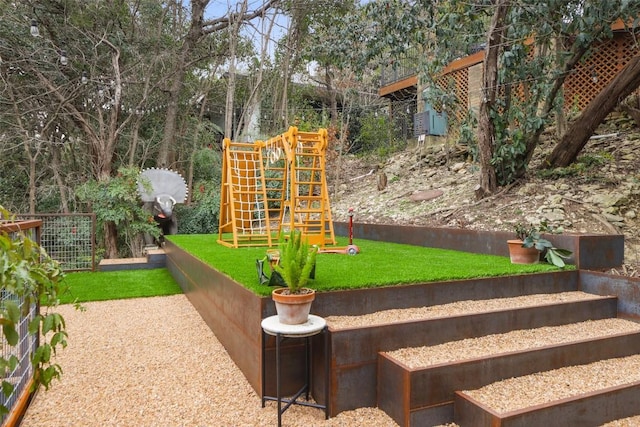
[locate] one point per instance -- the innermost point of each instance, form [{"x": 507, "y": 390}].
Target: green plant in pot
[
  {"x": 297, "y": 260},
  {"x": 531, "y": 238}
]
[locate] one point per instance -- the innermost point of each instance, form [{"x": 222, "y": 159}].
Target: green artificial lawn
[
  {"x": 108, "y": 285},
  {"x": 378, "y": 264}
]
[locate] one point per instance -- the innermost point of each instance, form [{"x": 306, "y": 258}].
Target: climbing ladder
[
  {"x": 275, "y": 185},
  {"x": 308, "y": 205}
]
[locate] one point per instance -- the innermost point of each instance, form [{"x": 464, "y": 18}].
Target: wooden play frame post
[{"x": 275, "y": 186}]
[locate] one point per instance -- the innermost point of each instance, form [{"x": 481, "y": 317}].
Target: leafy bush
[
  {"x": 376, "y": 136},
  {"x": 201, "y": 217},
  {"x": 116, "y": 200}
]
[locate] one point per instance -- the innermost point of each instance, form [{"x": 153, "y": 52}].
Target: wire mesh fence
[
  {"x": 68, "y": 238},
  {"x": 20, "y": 376}
]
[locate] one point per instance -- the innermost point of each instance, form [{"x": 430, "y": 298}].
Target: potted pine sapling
[{"x": 297, "y": 260}]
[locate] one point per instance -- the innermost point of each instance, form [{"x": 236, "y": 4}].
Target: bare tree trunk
[
  {"x": 191, "y": 39},
  {"x": 288, "y": 65},
  {"x": 342, "y": 147},
  {"x": 55, "y": 168},
  {"x": 110, "y": 240},
  {"x": 561, "y": 118},
  {"x": 196, "y": 136},
  {"x": 32, "y": 177},
  {"x": 133, "y": 147},
  {"x": 622, "y": 85},
  {"x": 486, "y": 131},
  {"x": 234, "y": 30}
]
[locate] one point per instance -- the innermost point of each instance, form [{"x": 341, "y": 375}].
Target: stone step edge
[{"x": 593, "y": 408}]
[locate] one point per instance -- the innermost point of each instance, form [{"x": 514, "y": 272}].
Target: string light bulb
[
  {"x": 35, "y": 32},
  {"x": 63, "y": 57},
  {"x": 84, "y": 79}
]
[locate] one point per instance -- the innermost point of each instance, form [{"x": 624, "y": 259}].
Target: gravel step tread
[
  {"x": 518, "y": 340},
  {"x": 545, "y": 387},
  {"x": 458, "y": 308},
  {"x": 624, "y": 422}
]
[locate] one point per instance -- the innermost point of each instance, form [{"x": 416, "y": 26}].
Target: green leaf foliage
[
  {"x": 28, "y": 276},
  {"x": 115, "y": 200}
]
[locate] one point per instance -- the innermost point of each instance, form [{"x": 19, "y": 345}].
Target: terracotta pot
[
  {"x": 293, "y": 309},
  {"x": 520, "y": 255}
]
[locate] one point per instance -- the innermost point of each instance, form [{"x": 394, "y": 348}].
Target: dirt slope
[{"x": 434, "y": 186}]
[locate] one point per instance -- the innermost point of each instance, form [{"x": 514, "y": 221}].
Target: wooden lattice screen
[
  {"x": 457, "y": 80},
  {"x": 590, "y": 77},
  {"x": 584, "y": 83}
]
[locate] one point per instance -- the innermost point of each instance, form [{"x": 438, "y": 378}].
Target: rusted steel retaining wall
[
  {"x": 627, "y": 289},
  {"x": 234, "y": 314},
  {"x": 590, "y": 251}
]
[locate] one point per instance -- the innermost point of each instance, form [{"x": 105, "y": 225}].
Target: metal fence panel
[
  {"x": 68, "y": 238},
  {"x": 21, "y": 376}
]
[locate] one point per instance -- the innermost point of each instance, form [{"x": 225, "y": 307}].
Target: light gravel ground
[
  {"x": 536, "y": 389},
  {"x": 154, "y": 362},
  {"x": 523, "y": 339},
  {"x": 626, "y": 422},
  {"x": 458, "y": 308}
]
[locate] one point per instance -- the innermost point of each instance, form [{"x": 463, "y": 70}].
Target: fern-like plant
[{"x": 297, "y": 260}]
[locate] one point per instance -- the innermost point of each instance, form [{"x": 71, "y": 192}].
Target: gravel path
[
  {"x": 626, "y": 422},
  {"x": 154, "y": 362}
]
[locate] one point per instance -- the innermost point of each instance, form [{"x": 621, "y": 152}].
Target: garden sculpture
[{"x": 160, "y": 190}]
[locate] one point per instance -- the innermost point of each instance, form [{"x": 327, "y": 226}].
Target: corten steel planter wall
[
  {"x": 589, "y": 409},
  {"x": 354, "y": 352},
  {"x": 590, "y": 251},
  {"x": 234, "y": 314},
  {"x": 626, "y": 288},
  {"x": 418, "y": 397}
]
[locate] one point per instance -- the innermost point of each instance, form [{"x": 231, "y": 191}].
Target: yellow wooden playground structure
[{"x": 274, "y": 186}]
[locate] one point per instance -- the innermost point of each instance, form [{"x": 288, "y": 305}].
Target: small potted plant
[
  {"x": 518, "y": 253},
  {"x": 296, "y": 262},
  {"x": 530, "y": 245}
]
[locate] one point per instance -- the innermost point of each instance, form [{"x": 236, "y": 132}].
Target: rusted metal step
[
  {"x": 354, "y": 350},
  {"x": 416, "y": 386},
  {"x": 584, "y": 395}
]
